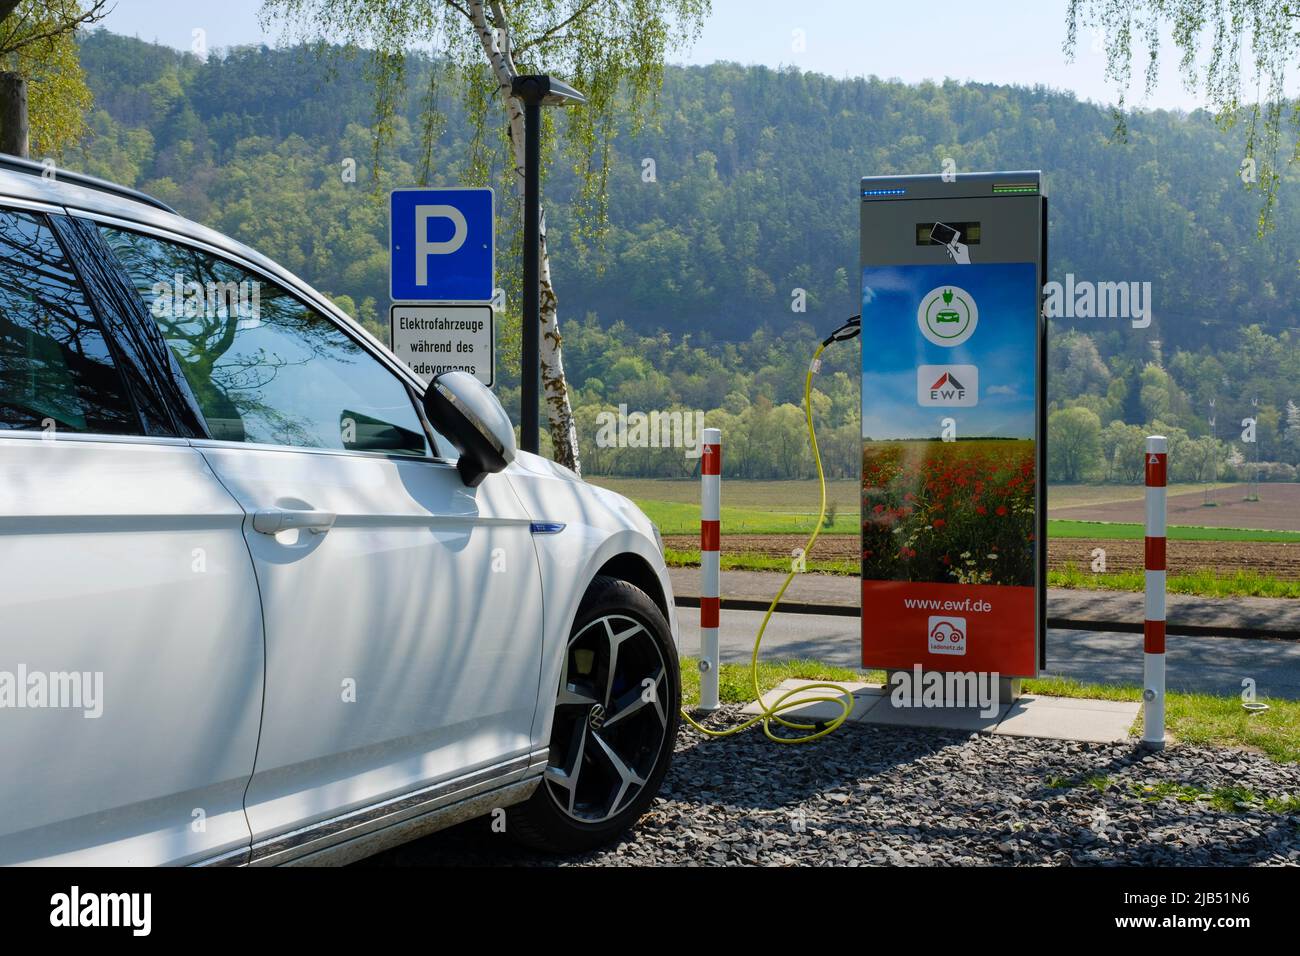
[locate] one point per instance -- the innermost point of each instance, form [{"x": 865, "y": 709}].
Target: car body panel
[
  {"x": 403, "y": 645},
  {"x": 599, "y": 525},
  {"x": 126, "y": 558}
]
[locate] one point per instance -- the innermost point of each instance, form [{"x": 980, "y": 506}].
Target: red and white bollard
[
  {"x": 710, "y": 565},
  {"x": 1153, "y": 629}
]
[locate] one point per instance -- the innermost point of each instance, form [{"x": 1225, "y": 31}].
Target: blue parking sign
[{"x": 440, "y": 244}]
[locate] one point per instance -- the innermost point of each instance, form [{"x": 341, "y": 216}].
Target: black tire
[{"x": 610, "y": 611}]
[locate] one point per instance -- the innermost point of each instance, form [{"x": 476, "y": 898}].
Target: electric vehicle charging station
[{"x": 954, "y": 426}]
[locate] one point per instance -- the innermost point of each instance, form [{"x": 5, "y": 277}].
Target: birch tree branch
[{"x": 549, "y": 34}]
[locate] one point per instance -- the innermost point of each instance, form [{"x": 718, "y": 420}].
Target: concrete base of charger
[{"x": 1028, "y": 715}]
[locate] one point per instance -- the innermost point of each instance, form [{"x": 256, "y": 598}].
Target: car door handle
[{"x": 275, "y": 520}]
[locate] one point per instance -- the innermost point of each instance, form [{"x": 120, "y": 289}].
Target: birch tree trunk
[
  {"x": 13, "y": 115},
  {"x": 559, "y": 412}
]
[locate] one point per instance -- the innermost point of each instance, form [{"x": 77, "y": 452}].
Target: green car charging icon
[{"x": 947, "y": 316}]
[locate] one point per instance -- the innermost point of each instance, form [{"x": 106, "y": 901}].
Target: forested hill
[
  {"x": 756, "y": 173},
  {"x": 687, "y": 305}
]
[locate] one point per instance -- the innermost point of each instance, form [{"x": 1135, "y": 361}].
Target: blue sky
[
  {"x": 1002, "y": 349},
  {"x": 989, "y": 41}
]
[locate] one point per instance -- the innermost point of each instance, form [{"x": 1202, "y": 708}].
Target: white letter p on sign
[{"x": 424, "y": 248}]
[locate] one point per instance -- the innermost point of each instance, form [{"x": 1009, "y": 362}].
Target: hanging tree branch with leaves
[{"x": 1271, "y": 29}]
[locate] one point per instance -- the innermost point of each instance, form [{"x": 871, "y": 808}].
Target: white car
[{"x": 262, "y": 599}]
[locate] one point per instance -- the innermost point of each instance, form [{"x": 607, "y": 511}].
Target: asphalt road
[{"x": 1215, "y": 665}]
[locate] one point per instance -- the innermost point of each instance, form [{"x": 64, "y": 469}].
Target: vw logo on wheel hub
[{"x": 597, "y": 717}]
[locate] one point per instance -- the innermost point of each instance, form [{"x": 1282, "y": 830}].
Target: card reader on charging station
[{"x": 954, "y": 423}]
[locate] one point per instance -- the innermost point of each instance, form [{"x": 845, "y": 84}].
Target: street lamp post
[{"x": 534, "y": 91}]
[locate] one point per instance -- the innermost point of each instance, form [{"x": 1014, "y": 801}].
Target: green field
[
  {"x": 680, "y": 518},
  {"x": 1061, "y": 528},
  {"x": 748, "y": 507},
  {"x": 790, "y": 507},
  {"x": 764, "y": 495},
  {"x": 674, "y": 517},
  {"x": 690, "y": 558}
]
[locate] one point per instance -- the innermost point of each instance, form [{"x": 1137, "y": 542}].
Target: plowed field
[{"x": 1281, "y": 560}]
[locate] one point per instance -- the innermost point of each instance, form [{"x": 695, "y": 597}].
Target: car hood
[
  {"x": 536, "y": 473},
  {"x": 528, "y": 463}
]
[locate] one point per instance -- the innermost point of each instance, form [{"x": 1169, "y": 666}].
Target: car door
[
  {"x": 402, "y": 609},
  {"x": 131, "y": 646}
]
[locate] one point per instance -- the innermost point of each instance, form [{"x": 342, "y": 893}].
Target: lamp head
[{"x": 545, "y": 90}]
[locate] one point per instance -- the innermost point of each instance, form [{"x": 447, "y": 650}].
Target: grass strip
[
  {"x": 1131, "y": 531},
  {"x": 1203, "y": 719},
  {"x": 1203, "y": 583}
]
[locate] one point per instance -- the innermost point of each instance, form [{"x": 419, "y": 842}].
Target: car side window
[
  {"x": 264, "y": 366},
  {"x": 56, "y": 369}
]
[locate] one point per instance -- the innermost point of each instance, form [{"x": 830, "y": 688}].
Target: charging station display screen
[{"x": 949, "y": 505}]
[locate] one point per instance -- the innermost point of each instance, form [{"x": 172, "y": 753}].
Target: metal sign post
[
  {"x": 954, "y": 423},
  {"x": 534, "y": 91}
]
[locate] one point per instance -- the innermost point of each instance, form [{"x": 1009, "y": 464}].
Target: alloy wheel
[{"x": 610, "y": 721}]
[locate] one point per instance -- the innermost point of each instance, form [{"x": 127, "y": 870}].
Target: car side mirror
[{"x": 463, "y": 409}]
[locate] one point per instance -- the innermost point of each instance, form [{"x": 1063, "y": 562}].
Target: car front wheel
[{"x": 616, "y": 717}]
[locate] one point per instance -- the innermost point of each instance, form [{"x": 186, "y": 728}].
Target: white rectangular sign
[{"x": 435, "y": 338}]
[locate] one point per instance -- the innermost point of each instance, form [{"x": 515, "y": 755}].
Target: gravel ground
[{"x": 901, "y": 796}]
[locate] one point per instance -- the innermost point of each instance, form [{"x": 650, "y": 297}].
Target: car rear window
[{"x": 56, "y": 369}]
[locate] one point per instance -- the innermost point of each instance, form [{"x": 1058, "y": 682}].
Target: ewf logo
[{"x": 947, "y": 386}]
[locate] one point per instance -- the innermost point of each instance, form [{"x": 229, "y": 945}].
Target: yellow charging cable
[{"x": 770, "y": 713}]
